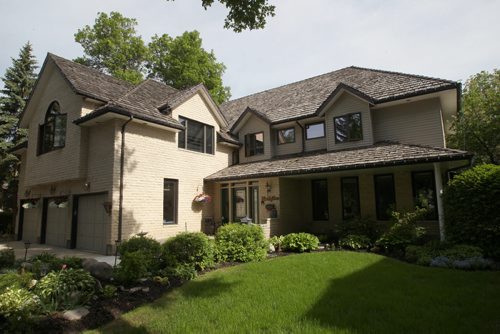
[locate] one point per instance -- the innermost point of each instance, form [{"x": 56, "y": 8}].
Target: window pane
[
  {"x": 286, "y": 136},
  {"x": 195, "y": 136},
  {"x": 169, "y": 201},
  {"x": 385, "y": 197},
  {"x": 259, "y": 143},
  {"x": 424, "y": 192},
  {"x": 209, "y": 142},
  {"x": 224, "y": 195},
  {"x": 59, "y": 131},
  {"x": 239, "y": 203},
  {"x": 316, "y": 130},
  {"x": 320, "y": 199},
  {"x": 350, "y": 198},
  {"x": 254, "y": 204},
  {"x": 254, "y": 144},
  {"x": 182, "y": 134},
  {"x": 348, "y": 128}
]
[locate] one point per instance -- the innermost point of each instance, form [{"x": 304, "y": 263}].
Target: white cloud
[{"x": 448, "y": 39}]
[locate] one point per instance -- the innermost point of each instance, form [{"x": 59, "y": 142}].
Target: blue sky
[{"x": 446, "y": 39}]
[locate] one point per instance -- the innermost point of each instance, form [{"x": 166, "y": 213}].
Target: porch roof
[{"x": 378, "y": 155}]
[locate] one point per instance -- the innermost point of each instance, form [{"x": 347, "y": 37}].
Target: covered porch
[{"x": 313, "y": 193}]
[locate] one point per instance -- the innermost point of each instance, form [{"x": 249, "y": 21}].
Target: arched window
[{"x": 53, "y": 131}]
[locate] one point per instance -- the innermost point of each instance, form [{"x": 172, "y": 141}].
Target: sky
[{"x": 450, "y": 39}]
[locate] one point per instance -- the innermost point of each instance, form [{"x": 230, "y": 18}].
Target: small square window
[
  {"x": 286, "y": 136},
  {"x": 348, "y": 128},
  {"x": 315, "y": 130}
]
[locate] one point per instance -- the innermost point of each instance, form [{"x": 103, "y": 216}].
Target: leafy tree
[
  {"x": 113, "y": 46},
  {"x": 477, "y": 127},
  {"x": 182, "y": 62},
  {"x": 18, "y": 83}
]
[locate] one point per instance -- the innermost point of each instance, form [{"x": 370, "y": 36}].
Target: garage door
[
  {"x": 92, "y": 219},
  {"x": 57, "y": 223},
  {"x": 31, "y": 224}
]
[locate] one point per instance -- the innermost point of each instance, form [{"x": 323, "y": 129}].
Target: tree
[
  {"x": 18, "y": 80},
  {"x": 182, "y": 62},
  {"x": 477, "y": 127},
  {"x": 113, "y": 46}
]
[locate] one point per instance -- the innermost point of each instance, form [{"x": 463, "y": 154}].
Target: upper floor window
[
  {"x": 254, "y": 144},
  {"x": 348, "y": 128},
  {"x": 286, "y": 136},
  {"x": 315, "y": 130},
  {"x": 197, "y": 136},
  {"x": 52, "y": 133}
]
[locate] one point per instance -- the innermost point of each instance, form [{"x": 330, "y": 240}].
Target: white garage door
[
  {"x": 57, "y": 223},
  {"x": 92, "y": 219},
  {"x": 31, "y": 225}
]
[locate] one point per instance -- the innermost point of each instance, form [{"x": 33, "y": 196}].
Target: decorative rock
[
  {"x": 146, "y": 289},
  {"x": 271, "y": 248},
  {"x": 440, "y": 261},
  {"x": 88, "y": 262},
  {"x": 136, "y": 289},
  {"x": 100, "y": 270},
  {"x": 76, "y": 314}
]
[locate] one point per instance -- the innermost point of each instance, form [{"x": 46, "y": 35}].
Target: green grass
[{"x": 330, "y": 292}]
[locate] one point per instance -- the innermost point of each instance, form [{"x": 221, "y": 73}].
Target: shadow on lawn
[{"x": 385, "y": 298}]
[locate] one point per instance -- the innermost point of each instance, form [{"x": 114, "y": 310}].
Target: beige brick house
[{"x": 106, "y": 160}]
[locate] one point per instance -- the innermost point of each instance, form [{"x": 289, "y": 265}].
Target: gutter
[{"x": 122, "y": 164}]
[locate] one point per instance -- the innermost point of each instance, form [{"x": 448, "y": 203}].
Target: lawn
[{"x": 329, "y": 292}]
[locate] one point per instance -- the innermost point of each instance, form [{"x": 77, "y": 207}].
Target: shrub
[
  {"x": 7, "y": 258},
  {"x": 193, "y": 248},
  {"x": 471, "y": 209},
  {"x": 18, "y": 306},
  {"x": 276, "y": 241},
  {"x": 403, "y": 232},
  {"x": 149, "y": 247},
  {"x": 65, "y": 288},
  {"x": 445, "y": 255},
  {"x": 355, "y": 242},
  {"x": 14, "y": 280},
  {"x": 300, "y": 242},
  {"x": 109, "y": 291},
  {"x": 240, "y": 243},
  {"x": 182, "y": 271},
  {"x": 462, "y": 252},
  {"x": 133, "y": 266},
  {"x": 359, "y": 226}
]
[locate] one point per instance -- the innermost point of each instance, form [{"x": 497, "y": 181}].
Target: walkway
[{"x": 36, "y": 249}]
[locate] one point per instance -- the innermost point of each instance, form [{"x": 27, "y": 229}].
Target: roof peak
[{"x": 400, "y": 73}]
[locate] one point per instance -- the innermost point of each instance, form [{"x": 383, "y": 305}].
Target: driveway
[{"x": 36, "y": 249}]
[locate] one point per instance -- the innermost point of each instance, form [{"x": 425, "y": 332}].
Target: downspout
[
  {"x": 122, "y": 166},
  {"x": 303, "y": 136}
]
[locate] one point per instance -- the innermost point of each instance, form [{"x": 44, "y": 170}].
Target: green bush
[
  {"x": 276, "y": 241},
  {"x": 193, "y": 248},
  {"x": 355, "y": 242},
  {"x": 359, "y": 226},
  {"x": 64, "y": 289},
  {"x": 462, "y": 252},
  {"x": 300, "y": 242},
  {"x": 182, "y": 271},
  {"x": 14, "y": 280},
  {"x": 423, "y": 255},
  {"x": 240, "y": 243},
  {"x": 18, "y": 306},
  {"x": 471, "y": 201},
  {"x": 133, "y": 266},
  {"x": 109, "y": 291},
  {"x": 147, "y": 246},
  {"x": 403, "y": 231},
  {"x": 7, "y": 258}
]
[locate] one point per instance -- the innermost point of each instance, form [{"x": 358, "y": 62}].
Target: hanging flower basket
[
  {"x": 202, "y": 198},
  {"x": 31, "y": 203},
  {"x": 60, "y": 202}
]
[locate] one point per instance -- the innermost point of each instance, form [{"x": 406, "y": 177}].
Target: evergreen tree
[{"x": 18, "y": 82}]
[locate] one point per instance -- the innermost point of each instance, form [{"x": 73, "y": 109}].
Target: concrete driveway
[{"x": 36, "y": 249}]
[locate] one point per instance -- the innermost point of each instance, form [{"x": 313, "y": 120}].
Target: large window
[
  {"x": 240, "y": 200},
  {"x": 350, "y": 198},
  {"x": 424, "y": 192},
  {"x": 254, "y": 144},
  {"x": 320, "y": 199},
  {"x": 286, "y": 136},
  {"x": 315, "y": 130},
  {"x": 52, "y": 133},
  {"x": 385, "y": 197},
  {"x": 239, "y": 203},
  {"x": 170, "y": 198},
  {"x": 348, "y": 128},
  {"x": 197, "y": 136}
]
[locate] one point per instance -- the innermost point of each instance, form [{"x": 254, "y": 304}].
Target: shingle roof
[
  {"x": 90, "y": 82},
  {"x": 304, "y": 98},
  {"x": 380, "y": 154}
]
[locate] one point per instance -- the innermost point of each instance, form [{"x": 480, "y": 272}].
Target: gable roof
[
  {"x": 378, "y": 155},
  {"x": 305, "y": 98}
]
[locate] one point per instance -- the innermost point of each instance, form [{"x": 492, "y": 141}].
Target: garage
[
  {"x": 57, "y": 223},
  {"x": 91, "y": 224},
  {"x": 29, "y": 224}
]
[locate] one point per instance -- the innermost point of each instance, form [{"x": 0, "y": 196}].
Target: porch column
[{"x": 439, "y": 193}]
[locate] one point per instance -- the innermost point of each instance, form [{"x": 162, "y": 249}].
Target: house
[{"x": 106, "y": 160}]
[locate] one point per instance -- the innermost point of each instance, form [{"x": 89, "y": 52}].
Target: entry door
[
  {"x": 31, "y": 224},
  {"x": 57, "y": 222},
  {"x": 91, "y": 225}
]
